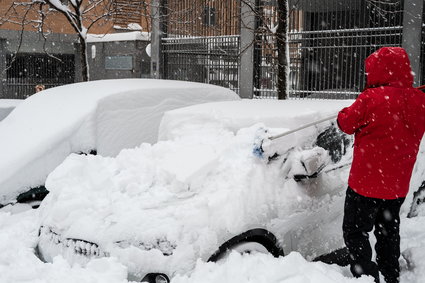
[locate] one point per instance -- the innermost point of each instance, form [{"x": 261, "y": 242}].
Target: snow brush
[{"x": 258, "y": 143}]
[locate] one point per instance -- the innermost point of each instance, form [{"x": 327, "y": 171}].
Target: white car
[
  {"x": 100, "y": 117},
  {"x": 200, "y": 191}
]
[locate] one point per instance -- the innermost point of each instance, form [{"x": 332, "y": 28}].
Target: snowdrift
[
  {"x": 7, "y": 105},
  {"x": 105, "y": 116}
]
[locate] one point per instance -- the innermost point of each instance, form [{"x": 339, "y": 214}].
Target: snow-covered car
[
  {"x": 100, "y": 117},
  {"x": 200, "y": 191},
  {"x": 7, "y": 105}
]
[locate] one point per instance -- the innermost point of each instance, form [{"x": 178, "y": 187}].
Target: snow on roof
[
  {"x": 105, "y": 115},
  {"x": 234, "y": 115},
  {"x": 121, "y": 36}
]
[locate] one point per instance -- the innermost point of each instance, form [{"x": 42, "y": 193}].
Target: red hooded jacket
[{"x": 388, "y": 121}]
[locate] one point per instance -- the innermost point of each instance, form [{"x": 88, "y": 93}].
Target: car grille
[
  {"x": 79, "y": 247},
  {"x": 89, "y": 249}
]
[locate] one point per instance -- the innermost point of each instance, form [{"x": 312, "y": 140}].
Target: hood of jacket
[{"x": 388, "y": 66}]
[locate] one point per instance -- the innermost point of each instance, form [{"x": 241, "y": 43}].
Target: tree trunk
[
  {"x": 83, "y": 60},
  {"x": 282, "y": 58}
]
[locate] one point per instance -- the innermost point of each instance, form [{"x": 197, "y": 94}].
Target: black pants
[{"x": 361, "y": 215}]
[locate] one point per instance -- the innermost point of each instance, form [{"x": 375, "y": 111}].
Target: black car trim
[{"x": 261, "y": 236}]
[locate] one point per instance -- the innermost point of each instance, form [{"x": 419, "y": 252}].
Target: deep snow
[
  {"x": 18, "y": 230},
  {"x": 7, "y": 105},
  {"x": 197, "y": 189},
  {"x": 106, "y": 116},
  {"x": 18, "y": 264}
]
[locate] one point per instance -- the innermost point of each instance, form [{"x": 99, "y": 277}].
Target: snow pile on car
[
  {"x": 7, "y": 105},
  {"x": 101, "y": 115},
  {"x": 19, "y": 264},
  {"x": 232, "y": 116},
  {"x": 181, "y": 197},
  {"x": 414, "y": 204}
]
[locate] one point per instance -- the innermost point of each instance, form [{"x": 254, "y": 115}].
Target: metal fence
[
  {"x": 328, "y": 42},
  {"x": 212, "y": 60},
  {"x": 423, "y": 48},
  {"x": 202, "y": 42},
  {"x": 25, "y": 71}
]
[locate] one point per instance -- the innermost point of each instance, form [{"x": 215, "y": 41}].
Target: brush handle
[
  {"x": 303, "y": 127},
  {"x": 315, "y": 123}
]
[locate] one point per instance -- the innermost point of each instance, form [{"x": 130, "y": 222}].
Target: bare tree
[
  {"x": 81, "y": 15},
  {"x": 271, "y": 35},
  {"x": 282, "y": 49}
]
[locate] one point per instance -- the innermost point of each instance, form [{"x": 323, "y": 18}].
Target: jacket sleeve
[{"x": 352, "y": 118}]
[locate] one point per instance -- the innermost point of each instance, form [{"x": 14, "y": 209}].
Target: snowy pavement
[{"x": 18, "y": 263}]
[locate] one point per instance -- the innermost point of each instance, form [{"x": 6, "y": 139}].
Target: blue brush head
[
  {"x": 260, "y": 135},
  {"x": 258, "y": 150}
]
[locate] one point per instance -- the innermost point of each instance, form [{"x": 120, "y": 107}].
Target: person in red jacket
[{"x": 388, "y": 121}]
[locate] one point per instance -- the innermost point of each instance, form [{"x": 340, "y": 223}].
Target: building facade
[{"x": 29, "y": 57}]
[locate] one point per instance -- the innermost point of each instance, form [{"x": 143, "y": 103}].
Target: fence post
[
  {"x": 156, "y": 38},
  {"x": 248, "y": 20},
  {"x": 412, "y": 26},
  {"x": 3, "y": 74}
]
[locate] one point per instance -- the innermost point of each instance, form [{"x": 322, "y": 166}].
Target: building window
[
  {"x": 119, "y": 62},
  {"x": 209, "y": 16}
]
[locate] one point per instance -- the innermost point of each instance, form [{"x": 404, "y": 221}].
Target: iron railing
[
  {"x": 423, "y": 50},
  {"x": 328, "y": 42},
  {"x": 26, "y": 71},
  {"x": 212, "y": 60},
  {"x": 202, "y": 42}
]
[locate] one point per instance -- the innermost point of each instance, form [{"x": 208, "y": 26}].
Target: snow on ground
[
  {"x": 266, "y": 269},
  {"x": 18, "y": 264},
  {"x": 7, "y": 105},
  {"x": 106, "y": 116}
]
